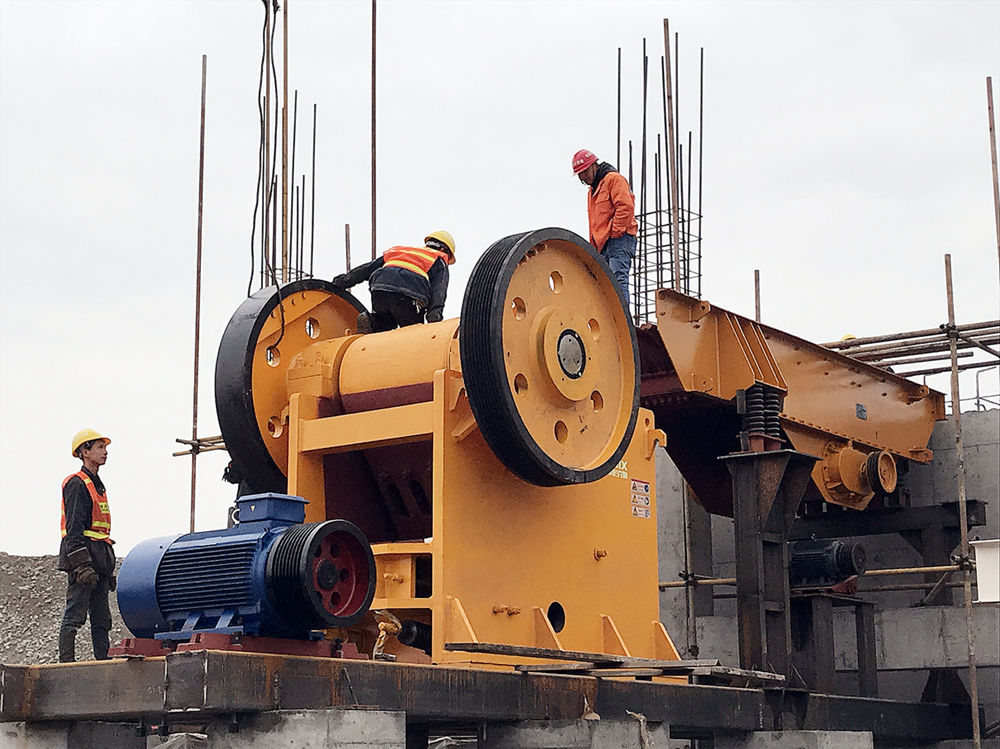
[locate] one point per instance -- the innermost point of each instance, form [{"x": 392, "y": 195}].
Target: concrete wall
[{"x": 909, "y": 640}]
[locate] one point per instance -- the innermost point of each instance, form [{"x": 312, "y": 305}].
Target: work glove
[
  {"x": 340, "y": 281},
  {"x": 86, "y": 576},
  {"x": 435, "y": 315}
]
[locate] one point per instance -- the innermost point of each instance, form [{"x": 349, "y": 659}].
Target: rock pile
[{"x": 32, "y": 599}]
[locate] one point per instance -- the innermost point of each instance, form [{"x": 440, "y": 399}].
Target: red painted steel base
[{"x": 150, "y": 648}]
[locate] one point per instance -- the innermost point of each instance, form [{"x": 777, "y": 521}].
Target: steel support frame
[
  {"x": 813, "y": 641},
  {"x": 767, "y": 489},
  {"x": 186, "y": 688}
]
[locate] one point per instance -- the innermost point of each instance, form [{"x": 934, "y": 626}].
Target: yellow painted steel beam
[{"x": 369, "y": 429}]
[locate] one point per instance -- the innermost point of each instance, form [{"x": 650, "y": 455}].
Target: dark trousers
[
  {"x": 390, "y": 310},
  {"x": 81, "y": 600}
]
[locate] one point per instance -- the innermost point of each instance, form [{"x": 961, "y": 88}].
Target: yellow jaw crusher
[{"x": 500, "y": 464}]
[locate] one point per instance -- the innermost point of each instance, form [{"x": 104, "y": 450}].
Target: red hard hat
[{"x": 582, "y": 159}]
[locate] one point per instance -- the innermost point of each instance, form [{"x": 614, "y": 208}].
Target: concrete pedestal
[
  {"x": 577, "y": 734},
  {"x": 798, "y": 740}
]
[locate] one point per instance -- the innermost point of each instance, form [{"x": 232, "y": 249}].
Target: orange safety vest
[
  {"x": 416, "y": 259},
  {"x": 100, "y": 513}
]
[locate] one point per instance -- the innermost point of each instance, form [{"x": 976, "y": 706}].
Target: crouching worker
[
  {"x": 85, "y": 552},
  {"x": 406, "y": 283}
]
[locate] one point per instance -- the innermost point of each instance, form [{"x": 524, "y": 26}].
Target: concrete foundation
[
  {"x": 312, "y": 729},
  {"x": 579, "y": 734},
  {"x": 798, "y": 740},
  {"x": 302, "y": 729},
  {"x": 76, "y": 735}
]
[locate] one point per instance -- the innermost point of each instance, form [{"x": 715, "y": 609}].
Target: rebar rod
[
  {"x": 672, "y": 150},
  {"x": 756, "y": 294},
  {"x": 295, "y": 130},
  {"x": 701, "y": 114},
  {"x": 687, "y": 223},
  {"x": 284, "y": 145},
  {"x": 302, "y": 226},
  {"x": 312, "y": 198},
  {"x": 274, "y": 230},
  {"x": 197, "y": 289},
  {"x": 963, "y": 519},
  {"x": 266, "y": 194},
  {"x": 373, "y": 130},
  {"x": 618, "y": 138},
  {"x": 347, "y": 244},
  {"x": 666, "y": 145},
  {"x": 630, "y": 181},
  {"x": 643, "y": 238},
  {"x": 681, "y": 238},
  {"x": 659, "y": 213}
]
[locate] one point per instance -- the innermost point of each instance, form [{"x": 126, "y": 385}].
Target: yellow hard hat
[
  {"x": 446, "y": 239},
  {"x": 87, "y": 435}
]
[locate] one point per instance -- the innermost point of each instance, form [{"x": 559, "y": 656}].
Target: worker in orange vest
[
  {"x": 406, "y": 284},
  {"x": 611, "y": 214},
  {"x": 85, "y": 552}
]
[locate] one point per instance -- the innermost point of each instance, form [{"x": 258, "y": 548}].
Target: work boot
[
  {"x": 364, "y": 323},
  {"x": 67, "y": 645}
]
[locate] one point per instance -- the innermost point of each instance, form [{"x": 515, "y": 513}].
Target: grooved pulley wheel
[
  {"x": 322, "y": 574},
  {"x": 549, "y": 357},
  {"x": 262, "y": 338}
]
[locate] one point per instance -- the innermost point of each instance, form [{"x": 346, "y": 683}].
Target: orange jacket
[{"x": 611, "y": 210}]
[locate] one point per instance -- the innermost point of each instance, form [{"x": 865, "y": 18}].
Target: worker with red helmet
[
  {"x": 406, "y": 283},
  {"x": 85, "y": 551},
  {"x": 611, "y": 212}
]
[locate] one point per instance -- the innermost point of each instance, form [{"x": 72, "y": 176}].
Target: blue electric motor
[{"x": 270, "y": 575}]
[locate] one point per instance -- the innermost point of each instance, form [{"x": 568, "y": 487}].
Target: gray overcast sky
[{"x": 846, "y": 151}]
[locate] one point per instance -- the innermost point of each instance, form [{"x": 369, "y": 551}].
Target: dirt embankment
[{"x": 32, "y": 600}]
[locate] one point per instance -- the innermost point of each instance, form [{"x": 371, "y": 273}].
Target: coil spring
[
  {"x": 772, "y": 407},
  {"x": 754, "y": 420}
]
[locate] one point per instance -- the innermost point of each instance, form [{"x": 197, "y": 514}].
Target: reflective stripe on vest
[
  {"x": 416, "y": 259},
  {"x": 100, "y": 513}
]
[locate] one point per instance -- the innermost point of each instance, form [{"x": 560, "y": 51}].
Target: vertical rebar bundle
[{"x": 668, "y": 251}]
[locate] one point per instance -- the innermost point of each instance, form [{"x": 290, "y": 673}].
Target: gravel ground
[{"x": 32, "y": 599}]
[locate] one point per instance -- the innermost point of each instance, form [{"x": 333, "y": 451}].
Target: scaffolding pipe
[
  {"x": 694, "y": 580},
  {"x": 963, "y": 518},
  {"x": 197, "y": 289},
  {"x": 855, "y": 342},
  {"x": 939, "y": 370},
  {"x": 993, "y": 159}
]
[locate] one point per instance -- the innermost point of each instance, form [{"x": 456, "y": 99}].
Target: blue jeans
[{"x": 618, "y": 253}]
